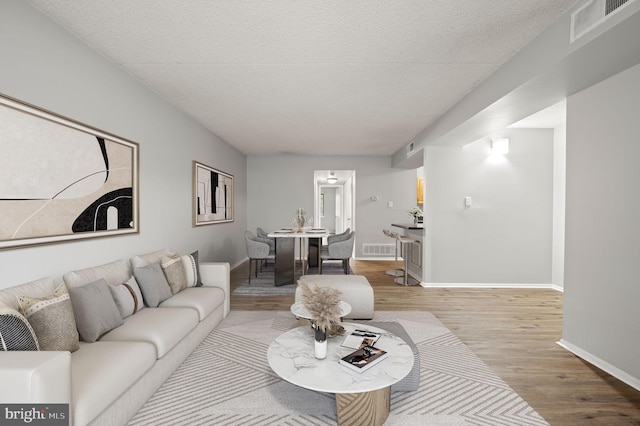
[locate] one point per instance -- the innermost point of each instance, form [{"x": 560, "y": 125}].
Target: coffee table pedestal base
[{"x": 363, "y": 409}]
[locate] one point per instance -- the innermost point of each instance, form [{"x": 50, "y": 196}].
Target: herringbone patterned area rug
[{"x": 227, "y": 381}]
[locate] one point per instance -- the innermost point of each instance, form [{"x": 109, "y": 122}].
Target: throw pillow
[
  {"x": 52, "y": 320},
  {"x": 94, "y": 309},
  {"x": 154, "y": 285},
  {"x": 16, "y": 333},
  {"x": 196, "y": 261},
  {"x": 174, "y": 272},
  {"x": 189, "y": 264},
  {"x": 128, "y": 297}
]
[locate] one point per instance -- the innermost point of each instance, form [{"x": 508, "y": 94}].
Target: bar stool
[
  {"x": 394, "y": 272},
  {"x": 406, "y": 245}
]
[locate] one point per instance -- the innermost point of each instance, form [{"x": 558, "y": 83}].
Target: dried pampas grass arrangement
[{"x": 323, "y": 304}]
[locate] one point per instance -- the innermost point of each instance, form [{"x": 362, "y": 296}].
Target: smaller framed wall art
[
  {"x": 212, "y": 195},
  {"x": 61, "y": 180}
]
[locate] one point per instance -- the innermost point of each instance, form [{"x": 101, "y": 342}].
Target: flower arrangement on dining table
[{"x": 300, "y": 220}]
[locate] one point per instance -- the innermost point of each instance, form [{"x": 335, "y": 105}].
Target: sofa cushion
[
  {"x": 94, "y": 309},
  {"x": 163, "y": 327},
  {"x": 39, "y": 288},
  {"x": 113, "y": 273},
  {"x": 153, "y": 284},
  {"x": 102, "y": 371},
  {"x": 174, "y": 272},
  {"x": 52, "y": 319},
  {"x": 128, "y": 297},
  {"x": 203, "y": 299},
  {"x": 16, "y": 333}
]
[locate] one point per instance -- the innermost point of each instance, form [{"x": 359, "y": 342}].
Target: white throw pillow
[
  {"x": 128, "y": 297},
  {"x": 190, "y": 271}
]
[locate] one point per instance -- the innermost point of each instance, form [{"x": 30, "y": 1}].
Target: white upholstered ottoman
[{"x": 355, "y": 289}]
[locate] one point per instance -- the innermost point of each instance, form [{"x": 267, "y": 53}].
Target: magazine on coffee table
[
  {"x": 363, "y": 358},
  {"x": 358, "y": 338}
]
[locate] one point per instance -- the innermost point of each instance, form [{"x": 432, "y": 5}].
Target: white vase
[{"x": 320, "y": 347}]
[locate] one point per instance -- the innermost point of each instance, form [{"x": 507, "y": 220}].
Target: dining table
[{"x": 309, "y": 241}]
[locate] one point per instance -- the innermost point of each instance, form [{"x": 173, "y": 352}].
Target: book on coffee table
[
  {"x": 358, "y": 338},
  {"x": 363, "y": 358}
]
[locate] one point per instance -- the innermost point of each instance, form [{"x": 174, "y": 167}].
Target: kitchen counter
[{"x": 408, "y": 226}]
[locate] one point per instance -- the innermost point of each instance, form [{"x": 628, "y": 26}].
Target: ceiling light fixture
[
  {"x": 500, "y": 146},
  {"x": 332, "y": 178}
]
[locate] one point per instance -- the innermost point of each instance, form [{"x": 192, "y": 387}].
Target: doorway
[{"x": 334, "y": 196}]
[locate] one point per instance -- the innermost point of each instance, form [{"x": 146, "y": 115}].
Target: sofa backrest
[
  {"x": 149, "y": 258},
  {"x": 114, "y": 273},
  {"x": 38, "y": 288}
]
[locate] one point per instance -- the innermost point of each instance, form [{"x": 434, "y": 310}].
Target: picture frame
[
  {"x": 213, "y": 195},
  {"x": 61, "y": 180}
]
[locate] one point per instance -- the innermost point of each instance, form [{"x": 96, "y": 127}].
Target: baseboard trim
[
  {"x": 634, "y": 382},
  {"x": 491, "y": 285}
]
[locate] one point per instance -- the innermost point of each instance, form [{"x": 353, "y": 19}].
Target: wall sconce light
[{"x": 499, "y": 146}]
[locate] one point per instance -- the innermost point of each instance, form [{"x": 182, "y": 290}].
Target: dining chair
[
  {"x": 264, "y": 237},
  {"x": 340, "y": 249},
  {"x": 337, "y": 237},
  {"x": 258, "y": 251}
]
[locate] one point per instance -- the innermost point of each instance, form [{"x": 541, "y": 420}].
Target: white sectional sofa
[{"x": 108, "y": 380}]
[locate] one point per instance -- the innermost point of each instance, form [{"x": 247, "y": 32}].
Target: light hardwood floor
[{"x": 514, "y": 331}]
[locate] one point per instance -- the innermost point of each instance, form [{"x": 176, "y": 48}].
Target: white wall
[
  {"x": 45, "y": 66},
  {"x": 602, "y": 262},
  {"x": 505, "y": 237},
  {"x": 278, "y": 185},
  {"x": 559, "y": 206}
]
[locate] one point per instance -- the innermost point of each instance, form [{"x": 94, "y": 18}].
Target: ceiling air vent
[{"x": 592, "y": 14}]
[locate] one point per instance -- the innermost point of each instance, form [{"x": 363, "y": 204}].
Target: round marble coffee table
[{"x": 361, "y": 398}]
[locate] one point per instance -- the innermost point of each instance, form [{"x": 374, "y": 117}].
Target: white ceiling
[{"x": 309, "y": 77}]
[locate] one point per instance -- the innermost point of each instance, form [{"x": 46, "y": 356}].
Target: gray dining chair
[
  {"x": 338, "y": 249},
  {"x": 337, "y": 237},
  {"x": 258, "y": 252},
  {"x": 264, "y": 237}
]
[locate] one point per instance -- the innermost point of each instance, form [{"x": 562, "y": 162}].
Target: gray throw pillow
[
  {"x": 94, "y": 309},
  {"x": 52, "y": 319},
  {"x": 154, "y": 285}
]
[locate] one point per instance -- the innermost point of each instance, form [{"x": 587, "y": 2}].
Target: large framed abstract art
[
  {"x": 212, "y": 195},
  {"x": 61, "y": 180}
]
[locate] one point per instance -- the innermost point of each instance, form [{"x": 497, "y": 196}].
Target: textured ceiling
[{"x": 309, "y": 77}]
